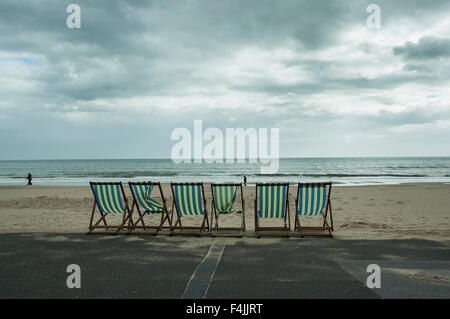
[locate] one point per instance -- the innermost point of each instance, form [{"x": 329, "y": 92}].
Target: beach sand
[{"x": 364, "y": 212}]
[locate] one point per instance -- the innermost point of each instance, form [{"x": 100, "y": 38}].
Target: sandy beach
[{"x": 364, "y": 212}]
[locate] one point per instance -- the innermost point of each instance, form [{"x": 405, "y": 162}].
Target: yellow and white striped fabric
[
  {"x": 108, "y": 198},
  {"x": 312, "y": 198},
  {"x": 188, "y": 198},
  {"x": 224, "y": 196},
  {"x": 272, "y": 200},
  {"x": 143, "y": 192}
]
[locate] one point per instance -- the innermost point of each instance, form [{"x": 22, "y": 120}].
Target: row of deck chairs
[{"x": 188, "y": 199}]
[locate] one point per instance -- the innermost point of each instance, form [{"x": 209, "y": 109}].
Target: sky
[{"x": 118, "y": 86}]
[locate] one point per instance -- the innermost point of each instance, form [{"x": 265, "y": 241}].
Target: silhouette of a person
[
  {"x": 29, "y": 178},
  {"x": 245, "y": 180}
]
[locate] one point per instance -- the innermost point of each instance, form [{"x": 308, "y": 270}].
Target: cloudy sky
[{"x": 136, "y": 70}]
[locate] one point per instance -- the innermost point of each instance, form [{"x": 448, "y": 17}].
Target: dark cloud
[
  {"x": 293, "y": 64},
  {"x": 428, "y": 47}
]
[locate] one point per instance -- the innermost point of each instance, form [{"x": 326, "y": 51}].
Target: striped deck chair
[
  {"x": 313, "y": 199},
  {"x": 111, "y": 200},
  {"x": 271, "y": 201},
  {"x": 224, "y": 196},
  {"x": 189, "y": 200},
  {"x": 145, "y": 206}
]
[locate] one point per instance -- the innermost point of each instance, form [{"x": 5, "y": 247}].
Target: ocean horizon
[{"x": 342, "y": 171}]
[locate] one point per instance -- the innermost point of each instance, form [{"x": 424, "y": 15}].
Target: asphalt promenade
[{"x": 35, "y": 266}]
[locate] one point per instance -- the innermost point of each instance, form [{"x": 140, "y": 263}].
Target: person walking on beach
[
  {"x": 29, "y": 178},
  {"x": 245, "y": 180}
]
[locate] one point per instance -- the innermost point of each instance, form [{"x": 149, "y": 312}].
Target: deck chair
[
  {"x": 189, "y": 200},
  {"x": 223, "y": 198},
  {"x": 271, "y": 201},
  {"x": 146, "y": 205},
  {"x": 313, "y": 199},
  {"x": 110, "y": 199}
]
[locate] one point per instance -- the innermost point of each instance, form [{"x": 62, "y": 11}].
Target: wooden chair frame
[
  {"x": 134, "y": 227},
  {"x": 216, "y": 214},
  {"x": 280, "y": 231},
  {"x": 312, "y": 231},
  {"x": 178, "y": 226},
  {"x": 125, "y": 219}
]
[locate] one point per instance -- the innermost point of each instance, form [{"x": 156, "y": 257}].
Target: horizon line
[{"x": 224, "y": 159}]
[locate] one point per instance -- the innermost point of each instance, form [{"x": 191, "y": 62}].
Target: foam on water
[{"x": 342, "y": 171}]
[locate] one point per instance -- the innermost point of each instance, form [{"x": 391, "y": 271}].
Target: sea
[{"x": 340, "y": 171}]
